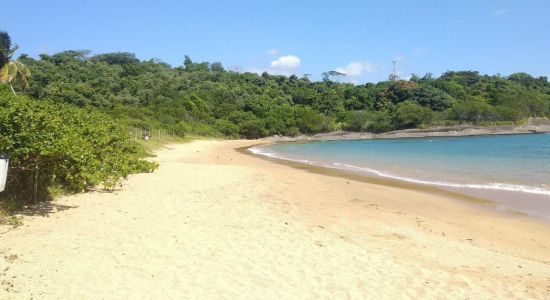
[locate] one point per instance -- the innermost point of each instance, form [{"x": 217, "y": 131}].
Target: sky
[{"x": 358, "y": 38}]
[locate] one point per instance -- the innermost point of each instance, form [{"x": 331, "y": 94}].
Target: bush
[
  {"x": 280, "y": 120},
  {"x": 227, "y": 128},
  {"x": 472, "y": 111},
  {"x": 253, "y": 129},
  {"x": 357, "y": 120},
  {"x": 480, "y": 112},
  {"x": 411, "y": 115},
  {"x": 505, "y": 113},
  {"x": 381, "y": 122},
  {"x": 181, "y": 128},
  {"x": 308, "y": 120},
  {"x": 202, "y": 129},
  {"x": 67, "y": 147}
]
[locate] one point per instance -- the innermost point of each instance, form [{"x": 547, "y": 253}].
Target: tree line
[{"x": 203, "y": 98}]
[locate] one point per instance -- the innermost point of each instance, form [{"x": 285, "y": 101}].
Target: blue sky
[{"x": 360, "y": 38}]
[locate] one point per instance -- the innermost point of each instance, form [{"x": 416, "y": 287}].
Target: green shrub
[
  {"x": 226, "y": 128},
  {"x": 202, "y": 129},
  {"x": 411, "y": 115},
  {"x": 357, "y": 120},
  {"x": 67, "y": 147},
  {"x": 181, "y": 129},
  {"x": 253, "y": 129},
  {"x": 505, "y": 113},
  {"x": 381, "y": 122},
  {"x": 307, "y": 119},
  {"x": 472, "y": 111}
]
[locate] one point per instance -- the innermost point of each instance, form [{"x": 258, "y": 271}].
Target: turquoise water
[{"x": 515, "y": 163}]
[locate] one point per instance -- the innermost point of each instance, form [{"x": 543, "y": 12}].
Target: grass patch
[{"x": 11, "y": 220}]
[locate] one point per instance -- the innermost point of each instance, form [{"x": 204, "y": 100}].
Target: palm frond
[
  {"x": 12, "y": 51},
  {"x": 8, "y": 72},
  {"x": 12, "y": 71},
  {"x": 4, "y": 74},
  {"x": 22, "y": 66},
  {"x": 23, "y": 74}
]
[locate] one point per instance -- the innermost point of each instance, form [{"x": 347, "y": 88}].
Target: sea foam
[{"x": 336, "y": 165}]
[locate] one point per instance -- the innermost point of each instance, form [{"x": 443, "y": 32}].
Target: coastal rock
[{"x": 533, "y": 126}]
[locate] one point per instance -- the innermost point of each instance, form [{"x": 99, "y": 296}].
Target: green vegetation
[
  {"x": 58, "y": 146},
  {"x": 55, "y": 147},
  {"x": 7, "y": 219},
  {"x": 207, "y": 100}
]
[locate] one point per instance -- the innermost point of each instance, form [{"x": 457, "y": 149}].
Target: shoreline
[
  {"x": 348, "y": 174},
  {"x": 473, "y": 201},
  {"x": 214, "y": 222},
  {"x": 533, "y": 205},
  {"x": 507, "y": 198},
  {"x": 533, "y": 126}
]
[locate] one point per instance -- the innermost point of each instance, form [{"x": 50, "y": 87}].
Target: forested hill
[{"x": 205, "y": 99}]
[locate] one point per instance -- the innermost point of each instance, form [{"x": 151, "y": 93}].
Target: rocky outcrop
[{"x": 532, "y": 126}]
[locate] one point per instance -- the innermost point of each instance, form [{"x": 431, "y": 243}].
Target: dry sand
[{"x": 213, "y": 223}]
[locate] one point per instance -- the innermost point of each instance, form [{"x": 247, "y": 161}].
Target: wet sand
[
  {"x": 215, "y": 223},
  {"x": 511, "y": 202}
]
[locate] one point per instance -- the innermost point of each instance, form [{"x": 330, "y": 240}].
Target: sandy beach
[{"x": 216, "y": 223}]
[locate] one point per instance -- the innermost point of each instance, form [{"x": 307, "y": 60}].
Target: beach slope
[{"x": 216, "y": 223}]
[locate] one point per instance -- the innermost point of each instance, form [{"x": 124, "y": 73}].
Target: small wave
[
  {"x": 261, "y": 151},
  {"x": 492, "y": 186},
  {"x": 336, "y": 165}
]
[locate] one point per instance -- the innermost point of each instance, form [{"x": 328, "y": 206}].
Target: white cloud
[
  {"x": 272, "y": 52},
  {"x": 286, "y": 63},
  {"x": 501, "y": 12},
  {"x": 357, "y": 68}
]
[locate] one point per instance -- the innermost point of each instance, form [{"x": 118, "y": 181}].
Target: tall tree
[{"x": 11, "y": 70}]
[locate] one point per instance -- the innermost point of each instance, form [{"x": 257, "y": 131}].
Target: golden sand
[{"x": 214, "y": 223}]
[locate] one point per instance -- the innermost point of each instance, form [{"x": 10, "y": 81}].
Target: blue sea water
[{"x": 516, "y": 163}]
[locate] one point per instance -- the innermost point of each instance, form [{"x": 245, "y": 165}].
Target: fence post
[{"x": 35, "y": 191}]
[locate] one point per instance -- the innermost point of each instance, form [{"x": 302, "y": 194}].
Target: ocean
[{"x": 513, "y": 170}]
